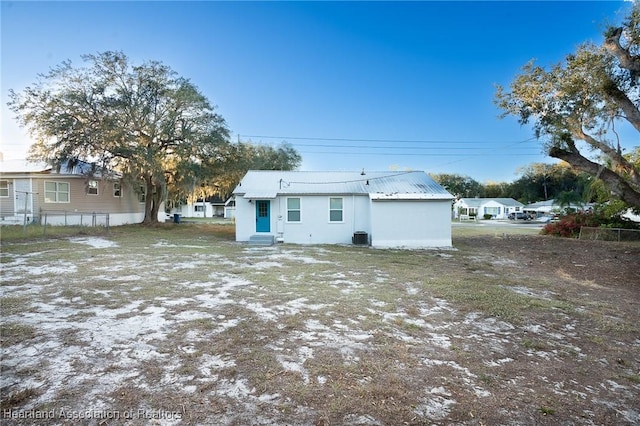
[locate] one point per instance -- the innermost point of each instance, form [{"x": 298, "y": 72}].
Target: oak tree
[
  {"x": 143, "y": 121},
  {"x": 578, "y": 106}
]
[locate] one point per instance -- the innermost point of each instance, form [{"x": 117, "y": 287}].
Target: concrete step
[{"x": 261, "y": 240}]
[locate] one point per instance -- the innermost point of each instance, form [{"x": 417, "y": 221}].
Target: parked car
[
  {"x": 544, "y": 219},
  {"x": 518, "y": 216}
]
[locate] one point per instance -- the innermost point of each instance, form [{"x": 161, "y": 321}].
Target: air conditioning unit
[{"x": 360, "y": 238}]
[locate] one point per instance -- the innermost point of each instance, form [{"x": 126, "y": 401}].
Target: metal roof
[
  {"x": 378, "y": 185},
  {"x": 477, "y": 202},
  {"x": 80, "y": 168}
]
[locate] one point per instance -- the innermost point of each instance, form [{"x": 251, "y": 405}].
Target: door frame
[{"x": 263, "y": 223}]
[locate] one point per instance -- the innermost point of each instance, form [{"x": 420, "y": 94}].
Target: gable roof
[
  {"x": 477, "y": 202},
  {"x": 80, "y": 168},
  {"x": 378, "y": 185},
  {"x": 23, "y": 166}
]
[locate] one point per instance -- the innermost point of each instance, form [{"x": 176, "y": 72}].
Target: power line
[
  {"x": 398, "y": 147},
  {"x": 420, "y": 154},
  {"x": 420, "y": 141},
  {"x": 446, "y": 148},
  {"x": 364, "y": 179}
]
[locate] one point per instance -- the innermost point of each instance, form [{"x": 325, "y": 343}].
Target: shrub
[{"x": 569, "y": 225}]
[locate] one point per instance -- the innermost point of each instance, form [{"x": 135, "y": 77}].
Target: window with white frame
[
  {"x": 199, "y": 208},
  {"x": 56, "y": 192},
  {"x": 335, "y": 209},
  {"x": 117, "y": 189},
  {"x": 142, "y": 195},
  {"x": 293, "y": 210},
  {"x": 4, "y": 188},
  {"x": 494, "y": 211},
  {"x": 92, "y": 187}
]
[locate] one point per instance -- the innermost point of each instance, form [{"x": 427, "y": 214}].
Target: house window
[
  {"x": 198, "y": 208},
  {"x": 335, "y": 209},
  {"x": 493, "y": 211},
  {"x": 4, "y": 188},
  {"x": 142, "y": 195},
  {"x": 56, "y": 192},
  {"x": 92, "y": 187},
  {"x": 117, "y": 189},
  {"x": 293, "y": 209}
]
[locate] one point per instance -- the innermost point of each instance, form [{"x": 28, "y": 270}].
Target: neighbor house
[
  {"x": 496, "y": 208},
  {"x": 35, "y": 192},
  {"x": 208, "y": 207},
  {"x": 549, "y": 207},
  {"x": 384, "y": 209},
  {"x": 230, "y": 208}
]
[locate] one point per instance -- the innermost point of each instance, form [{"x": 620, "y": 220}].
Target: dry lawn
[{"x": 179, "y": 324}]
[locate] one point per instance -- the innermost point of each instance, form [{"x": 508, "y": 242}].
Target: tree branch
[
  {"x": 627, "y": 61},
  {"x": 618, "y": 186},
  {"x": 631, "y": 113}
]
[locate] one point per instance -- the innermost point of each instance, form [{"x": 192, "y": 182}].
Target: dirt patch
[{"x": 190, "y": 328}]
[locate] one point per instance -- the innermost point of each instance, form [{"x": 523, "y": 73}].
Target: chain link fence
[{"x": 609, "y": 234}]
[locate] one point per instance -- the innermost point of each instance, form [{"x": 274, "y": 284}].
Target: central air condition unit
[{"x": 360, "y": 238}]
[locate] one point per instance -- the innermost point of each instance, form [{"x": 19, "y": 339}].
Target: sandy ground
[{"x": 115, "y": 352}]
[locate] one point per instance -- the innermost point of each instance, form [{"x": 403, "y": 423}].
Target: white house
[
  {"x": 548, "y": 207},
  {"x": 384, "y": 209},
  {"x": 208, "y": 207},
  {"x": 498, "y": 208},
  {"x": 230, "y": 208}
]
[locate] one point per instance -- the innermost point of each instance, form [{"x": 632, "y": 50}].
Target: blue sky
[{"x": 351, "y": 85}]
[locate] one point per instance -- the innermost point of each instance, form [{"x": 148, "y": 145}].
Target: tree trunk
[
  {"x": 149, "y": 217},
  {"x": 615, "y": 183},
  {"x": 155, "y": 206}
]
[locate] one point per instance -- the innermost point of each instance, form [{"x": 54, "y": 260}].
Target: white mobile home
[
  {"x": 36, "y": 192},
  {"x": 384, "y": 209},
  {"x": 208, "y": 207}
]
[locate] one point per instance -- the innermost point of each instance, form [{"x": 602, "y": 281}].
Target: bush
[
  {"x": 569, "y": 225},
  {"x": 487, "y": 216}
]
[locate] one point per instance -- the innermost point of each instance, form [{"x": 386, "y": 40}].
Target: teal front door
[{"x": 263, "y": 222}]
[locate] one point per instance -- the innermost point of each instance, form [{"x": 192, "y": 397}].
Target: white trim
[
  {"x": 341, "y": 209},
  {"x": 299, "y": 210},
  {"x": 57, "y": 191},
  {"x": 119, "y": 189},
  {"x": 5, "y": 196},
  {"x": 264, "y": 195},
  {"x": 90, "y": 187}
]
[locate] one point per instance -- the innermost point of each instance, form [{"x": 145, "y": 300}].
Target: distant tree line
[
  {"x": 219, "y": 175},
  {"x": 537, "y": 182}
]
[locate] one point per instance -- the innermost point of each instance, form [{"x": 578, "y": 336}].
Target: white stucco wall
[
  {"x": 314, "y": 226},
  {"x": 411, "y": 224},
  {"x": 397, "y": 223},
  {"x": 246, "y": 219}
]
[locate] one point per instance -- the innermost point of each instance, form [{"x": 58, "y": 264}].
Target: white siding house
[
  {"x": 497, "y": 208},
  {"x": 36, "y": 192},
  {"x": 386, "y": 209}
]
